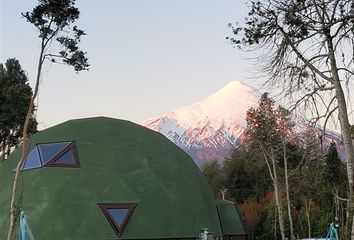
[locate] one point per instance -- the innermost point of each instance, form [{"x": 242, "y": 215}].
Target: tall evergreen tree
[
  {"x": 213, "y": 172},
  {"x": 246, "y": 175},
  {"x": 15, "y": 94},
  {"x": 331, "y": 171}
]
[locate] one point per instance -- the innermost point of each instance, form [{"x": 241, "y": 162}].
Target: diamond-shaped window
[
  {"x": 59, "y": 154},
  {"x": 118, "y": 215}
]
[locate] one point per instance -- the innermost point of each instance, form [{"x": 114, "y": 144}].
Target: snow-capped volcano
[{"x": 211, "y": 128}]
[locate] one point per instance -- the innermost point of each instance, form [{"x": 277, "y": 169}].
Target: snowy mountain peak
[
  {"x": 230, "y": 89},
  {"x": 231, "y": 102},
  {"x": 210, "y": 128},
  {"x": 213, "y": 127}
]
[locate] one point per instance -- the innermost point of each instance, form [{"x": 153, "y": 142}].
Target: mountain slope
[{"x": 211, "y": 128}]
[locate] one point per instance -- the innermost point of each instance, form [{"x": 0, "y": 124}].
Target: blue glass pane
[
  {"x": 50, "y": 150},
  {"x": 32, "y": 160},
  {"x": 118, "y": 214},
  {"x": 67, "y": 159}
]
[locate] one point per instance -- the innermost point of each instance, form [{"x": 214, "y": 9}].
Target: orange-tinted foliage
[{"x": 251, "y": 210}]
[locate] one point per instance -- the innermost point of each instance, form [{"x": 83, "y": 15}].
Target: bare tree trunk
[
  {"x": 343, "y": 225},
  {"x": 336, "y": 202},
  {"x": 343, "y": 229},
  {"x": 7, "y": 144},
  {"x": 308, "y": 212},
  {"x": 292, "y": 236},
  {"x": 2, "y": 152},
  {"x": 278, "y": 200},
  {"x": 273, "y": 175},
  {"x": 275, "y": 223},
  {"x": 14, "y": 210},
  {"x": 344, "y": 125},
  {"x": 346, "y": 220},
  {"x": 349, "y": 153},
  {"x": 339, "y": 212}
]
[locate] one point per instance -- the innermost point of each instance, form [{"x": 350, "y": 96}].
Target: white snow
[
  {"x": 228, "y": 105},
  {"x": 211, "y": 128},
  {"x": 213, "y": 122}
]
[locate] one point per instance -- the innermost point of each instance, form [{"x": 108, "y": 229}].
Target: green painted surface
[
  {"x": 231, "y": 222},
  {"x": 121, "y": 162}
]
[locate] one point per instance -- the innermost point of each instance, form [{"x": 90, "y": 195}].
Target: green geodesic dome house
[{"x": 103, "y": 178}]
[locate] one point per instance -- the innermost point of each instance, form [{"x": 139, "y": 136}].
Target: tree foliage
[
  {"x": 267, "y": 130},
  {"x": 15, "y": 94},
  {"x": 242, "y": 174},
  {"x": 249, "y": 176},
  {"x": 306, "y": 49},
  {"x": 54, "y": 20},
  {"x": 294, "y": 37},
  {"x": 246, "y": 177},
  {"x": 267, "y": 125},
  {"x": 332, "y": 168},
  {"x": 213, "y": 172}
]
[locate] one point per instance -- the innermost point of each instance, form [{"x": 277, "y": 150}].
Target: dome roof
[
  {"x": 230, "y": 220},
  {"x": 119, "y": 162}
]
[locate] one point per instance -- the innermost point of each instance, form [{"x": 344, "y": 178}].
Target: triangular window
[
  {"x": 65, "y": 158},
  {"x": 118, "y": 215},
  {"x": 32, "y": 160},
  {"x": 59, "y": 154},
  {"x": 49, "y": 150}
]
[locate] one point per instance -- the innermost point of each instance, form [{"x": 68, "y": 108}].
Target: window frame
[
  {"x": 52, "y": 162},
  {"x": 71, "y": 147},
  {"x": 35, "y": 147},
  {"x": 117, "y": 229}
]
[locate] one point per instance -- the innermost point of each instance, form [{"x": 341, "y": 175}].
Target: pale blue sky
[{"x": 147, "y": 57}]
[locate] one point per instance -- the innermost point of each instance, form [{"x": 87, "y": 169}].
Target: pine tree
[
  {"x": 332, "y": 167},
  {"x": 15, "y": 94}
]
